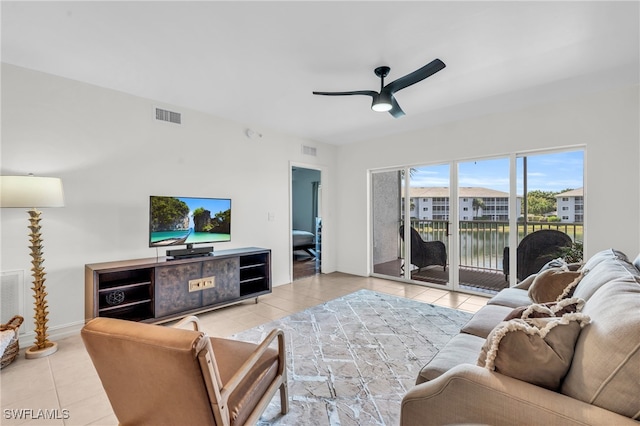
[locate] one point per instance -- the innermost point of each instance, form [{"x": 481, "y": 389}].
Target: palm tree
[{"x": 477, "y": 205}]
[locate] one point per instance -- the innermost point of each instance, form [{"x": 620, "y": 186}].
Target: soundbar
[{"x": 190, "y": 252}]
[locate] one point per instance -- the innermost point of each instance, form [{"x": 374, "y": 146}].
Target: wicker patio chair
[
  {"x": 426, "y": 253},
  {"x": 534, "y": 251}
]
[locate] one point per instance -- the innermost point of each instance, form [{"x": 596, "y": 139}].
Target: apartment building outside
[
  {"x": 475, "y": 203},
  {"x": 570, "y": 206}
]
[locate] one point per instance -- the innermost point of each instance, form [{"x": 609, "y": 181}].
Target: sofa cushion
[
  {"x": 610, "y": 265},
  {"x": 535, "y": 350},
  {"x": 550, "y": 285},
  {"x": 602, "y": 256},
  {"x": 511, "y": 297},
  {"x": 485, "y": 320},
  {"x": 462, "y": 349},
  {"x": 606, "y": 365}
]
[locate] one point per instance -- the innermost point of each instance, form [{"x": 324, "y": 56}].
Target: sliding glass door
[
  {"x": 483, "y": 223},
  {"x": 455, "y": 225},
  {"x": 552, "y": 200},
  {"x": 410, "y": 224},
  {"x": 429, "y": 212},
  {"x": 386, "y": 218}
]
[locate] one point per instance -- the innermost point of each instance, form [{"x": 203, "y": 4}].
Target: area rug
[{"x": 351, "y": 360}]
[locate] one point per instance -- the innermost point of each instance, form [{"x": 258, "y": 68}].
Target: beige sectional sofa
[{"x": 598, "y": 343}]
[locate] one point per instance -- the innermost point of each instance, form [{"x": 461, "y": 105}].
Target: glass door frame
[
  {"x": 453, "y": 236},
  {"x": 452, "y": 261}
]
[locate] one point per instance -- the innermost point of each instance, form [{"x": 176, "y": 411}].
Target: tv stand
[
  {"x": 188, "y": 252},
  {"x": 154, "y": 290}
]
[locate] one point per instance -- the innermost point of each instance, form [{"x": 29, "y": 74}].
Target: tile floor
[{"x": 65, "y": 386}]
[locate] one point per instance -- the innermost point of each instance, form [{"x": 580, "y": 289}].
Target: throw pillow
[
  {"x": 549, "y": 285},
  {"x": 535, "y": 350},
  {"x": 546, "y": 310}
]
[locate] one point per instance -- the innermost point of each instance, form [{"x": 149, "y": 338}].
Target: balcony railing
[{"x": 482, "y": 242}]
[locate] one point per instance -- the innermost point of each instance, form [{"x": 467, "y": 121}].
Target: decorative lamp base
[{"x": 33, "y": 352}]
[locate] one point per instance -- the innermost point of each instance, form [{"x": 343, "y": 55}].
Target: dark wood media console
[{"x": 157, "y": 289}]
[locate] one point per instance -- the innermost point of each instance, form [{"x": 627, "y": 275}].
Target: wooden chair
[{"x": 157, "y": 375}]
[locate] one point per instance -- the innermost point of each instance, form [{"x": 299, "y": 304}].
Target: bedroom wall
[
  {"x": 302, "y": 198},
  {"x": 606, "y": 124},
  {"x": 112, "y": 154}
]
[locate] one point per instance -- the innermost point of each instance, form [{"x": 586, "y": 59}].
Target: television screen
[{"x": 188, "y": 220}]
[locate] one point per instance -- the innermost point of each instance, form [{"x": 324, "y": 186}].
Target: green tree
[
  {"x": 541, "y": 202},
  {"x": 167, "y": 213}
]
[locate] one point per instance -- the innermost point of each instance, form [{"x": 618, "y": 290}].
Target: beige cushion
[
  {"x": 606, "y": 365},
  {"x": 597, "y": 274},
  {"x": 535, "y": 350},
  {"x": 550, "y": 285},
  {"x": 461, "y": 349},
  {"x": 485, "y": 320},
  {"x": 512, "y": 297}
]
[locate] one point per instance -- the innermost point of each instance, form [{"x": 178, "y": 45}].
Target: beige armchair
[{"x": 156, "y": 375}]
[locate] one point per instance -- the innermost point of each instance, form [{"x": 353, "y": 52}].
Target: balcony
[{"x": 481, "y": 250}]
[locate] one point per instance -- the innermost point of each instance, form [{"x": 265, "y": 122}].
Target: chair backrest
[
  {"x": 425, "y": 253},
  {"x": 538, "y": 248},
  {"x": 152, "y": 374}
]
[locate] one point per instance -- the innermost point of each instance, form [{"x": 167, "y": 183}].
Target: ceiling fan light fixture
[{"x": 382, "y": 103}]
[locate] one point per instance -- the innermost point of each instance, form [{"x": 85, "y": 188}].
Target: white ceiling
[{"x": 258, "y": 62}]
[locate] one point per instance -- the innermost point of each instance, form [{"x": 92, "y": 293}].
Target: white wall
[
  {"x": 606, "y": 123},
  {"x": 112, "y": 154}
]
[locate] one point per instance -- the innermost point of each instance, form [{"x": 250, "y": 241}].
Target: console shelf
[{"x": 158, "y": 289}]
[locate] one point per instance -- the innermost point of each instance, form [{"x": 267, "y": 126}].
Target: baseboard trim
[{"x": 27, "y": 340}]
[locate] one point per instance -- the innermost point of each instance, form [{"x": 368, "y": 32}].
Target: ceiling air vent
[
  {"x": 170, "y": 116},
  {"x": 309, "y": 150}
]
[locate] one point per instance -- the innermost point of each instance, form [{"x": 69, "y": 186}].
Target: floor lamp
[{"x": 35, "y": 192}]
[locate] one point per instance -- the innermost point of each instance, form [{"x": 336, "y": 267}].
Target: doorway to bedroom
[{"x": 306, "y": 221}]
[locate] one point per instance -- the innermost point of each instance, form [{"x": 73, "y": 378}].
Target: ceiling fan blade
[
  {"x": 414, "y": 77},
  {"x": 395, "y": 110},
  {"x": 355, "y": 92}
]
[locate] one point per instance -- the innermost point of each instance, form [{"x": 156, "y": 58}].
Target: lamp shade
[
  {"x": 382, "y": 102},
  {"x": 30, "y": 191}
]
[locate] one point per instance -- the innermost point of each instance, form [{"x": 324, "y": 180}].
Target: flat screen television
[{"x": 188, "y": 221}]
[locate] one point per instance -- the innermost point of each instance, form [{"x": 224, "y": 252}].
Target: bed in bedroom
[{"x": 304, "y": 240}]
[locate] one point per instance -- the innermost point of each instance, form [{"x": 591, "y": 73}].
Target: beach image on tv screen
[{"x": 188, "y": 220}]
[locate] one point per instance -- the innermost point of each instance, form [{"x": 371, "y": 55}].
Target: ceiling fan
[{"x": 384, "y": 100}]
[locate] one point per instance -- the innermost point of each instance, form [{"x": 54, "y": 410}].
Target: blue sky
[
  {"x": 546, "y": 172},
  {"x": 214, "y": 205}
]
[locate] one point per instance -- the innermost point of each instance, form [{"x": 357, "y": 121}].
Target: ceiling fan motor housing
[{"x": 382, "y": 72}]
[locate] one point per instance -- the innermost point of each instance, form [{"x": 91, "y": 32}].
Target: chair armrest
[
  {"x": 193, "y": 321},
  {"x": 472, "y": 394},
  {"x": 235, "y": 380}
]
